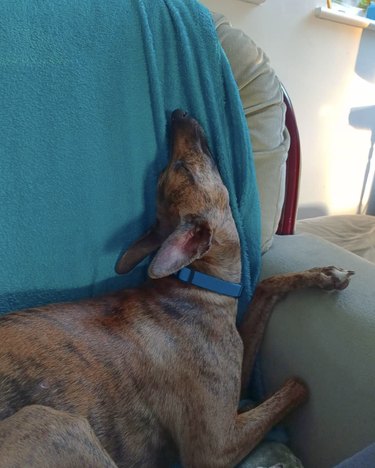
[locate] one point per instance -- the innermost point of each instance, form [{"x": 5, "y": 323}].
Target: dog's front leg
[{"x": 268, "y": 293}]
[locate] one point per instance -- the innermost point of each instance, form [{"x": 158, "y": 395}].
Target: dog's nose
[{"x": 179, "y": 114}]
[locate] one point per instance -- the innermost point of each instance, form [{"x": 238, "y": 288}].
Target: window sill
[
  {"x": 255, "y": 2},
  {"x": 350, "y": 19}
]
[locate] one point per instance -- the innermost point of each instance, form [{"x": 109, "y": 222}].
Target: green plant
[
  {"x": 361, "y": 3},
  {"x": 364, "y": 4}
]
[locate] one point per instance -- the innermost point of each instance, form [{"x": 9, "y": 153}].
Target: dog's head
[{"x": 192, "y": 203}]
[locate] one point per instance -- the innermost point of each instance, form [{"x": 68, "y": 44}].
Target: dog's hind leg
[
  {"x": 268, "y": 293},
  {"x": 251, "y": 426},
  {"x": 226, "y": 442},
  {"x": 40, "y": 437}
]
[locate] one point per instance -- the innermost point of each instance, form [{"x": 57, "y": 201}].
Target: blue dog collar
[{"x": 211, "y": 283}]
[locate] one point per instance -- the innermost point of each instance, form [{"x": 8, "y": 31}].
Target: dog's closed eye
[{"x": 180, "y": 166}]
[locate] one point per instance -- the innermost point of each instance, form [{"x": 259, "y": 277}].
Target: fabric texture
[
  {"x": 326, "y": 339},
  {"x": 271, "y": 455},
  {"x": 263, "y": 103},
  {"x": 87, "y": 92},
  {"x": 355, "y": 233}
]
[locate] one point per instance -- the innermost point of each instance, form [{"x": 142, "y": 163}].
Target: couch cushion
[
  {"x": 326, "y": 339},
  {"x": 355, "y": 233},
  {"x": 262, "y": 100}
]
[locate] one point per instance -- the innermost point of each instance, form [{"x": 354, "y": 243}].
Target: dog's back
[{"x": 127, "y": 362}]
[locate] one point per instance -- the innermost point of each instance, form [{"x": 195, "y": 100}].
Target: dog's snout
[{"x": 179, "y": 114}]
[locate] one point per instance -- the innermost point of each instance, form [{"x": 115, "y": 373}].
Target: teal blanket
[{"x": 87, "y": 88}]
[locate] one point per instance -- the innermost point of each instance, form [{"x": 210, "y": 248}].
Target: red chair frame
[{"x": 289, "y": 211}]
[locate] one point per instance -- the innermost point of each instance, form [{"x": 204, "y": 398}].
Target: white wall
[{"x": 316, "y": 60}]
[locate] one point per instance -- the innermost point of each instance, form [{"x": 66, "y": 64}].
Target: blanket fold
[{"x": 87, "y": 91}]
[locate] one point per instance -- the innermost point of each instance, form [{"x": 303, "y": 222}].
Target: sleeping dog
[{"x": 142, "y": 376}]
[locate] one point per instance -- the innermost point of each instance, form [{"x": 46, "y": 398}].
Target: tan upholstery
[
  {"x": 262, "y": 99},
  {"x": 355, "y": 233},
  {"x": 328, "y": 339}
]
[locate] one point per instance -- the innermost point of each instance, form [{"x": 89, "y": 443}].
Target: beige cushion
[
  {"x": 355, "y": 233},
  {"x": 262, "y": 100}
]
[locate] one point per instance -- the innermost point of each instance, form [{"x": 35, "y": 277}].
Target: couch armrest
[{"x": 328, "y": 339}]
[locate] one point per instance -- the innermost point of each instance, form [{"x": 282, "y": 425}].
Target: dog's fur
[{"x": 138, "y": 377}]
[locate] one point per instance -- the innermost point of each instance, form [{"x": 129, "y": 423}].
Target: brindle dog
[{"x": 135, "y": 378}]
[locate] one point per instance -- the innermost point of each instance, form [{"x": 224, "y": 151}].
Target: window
[{"x": 359, "y": 13}]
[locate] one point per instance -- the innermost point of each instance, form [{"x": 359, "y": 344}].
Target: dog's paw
[
  {"x": 297, "y": 387},
  {"x": 332, "y": 278}
]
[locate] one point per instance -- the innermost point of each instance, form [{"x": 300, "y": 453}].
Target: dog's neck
[{"x": 223, "y": 260}]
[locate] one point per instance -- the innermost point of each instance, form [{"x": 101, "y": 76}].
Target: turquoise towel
[{"x": 87, "y": 88}]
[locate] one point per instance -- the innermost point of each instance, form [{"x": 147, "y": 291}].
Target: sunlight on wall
[
  {"x": 321, "y": 64},
  {"x": 348, "y": 147}
]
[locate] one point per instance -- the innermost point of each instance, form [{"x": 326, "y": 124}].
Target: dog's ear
[
  {"x": 145, "y": 245},
  {"x": 186, "y": 244}
]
